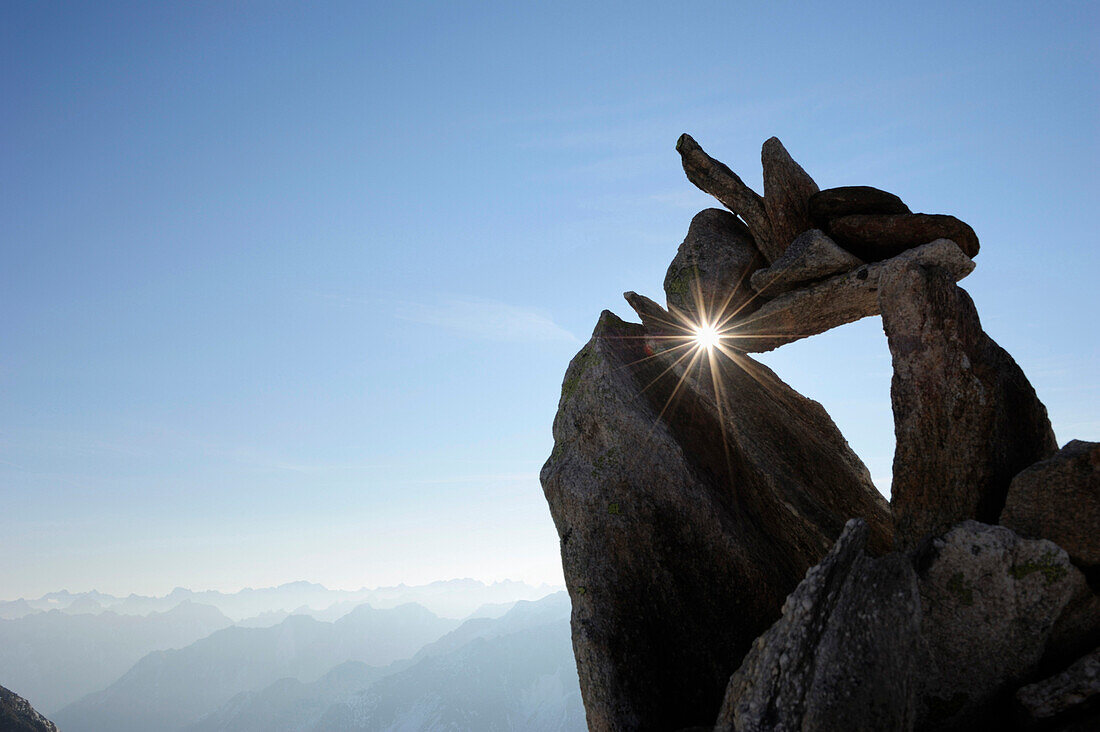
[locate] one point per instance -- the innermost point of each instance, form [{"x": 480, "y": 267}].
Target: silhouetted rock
[
  {"x": 990, "y": 600},
  {"x": 787, "y": 191},
  {"x": 812, "y": 256},
  {"x": 714, "y": 177},
  {"x": 966, "y": 419},
  {"x": 710, "y": 273},
  {"x": 1064, "y": 694},
  {"x": 845, "y": 654},
  {"x": 873, "y": 237},
  {"x": 832, "y": 203},
  {"x": 17, "y": 715},
  {"x": 821, "y": 306},
  {"x": 683, "y": 524},
  {"x": 1059, "y": 499}
]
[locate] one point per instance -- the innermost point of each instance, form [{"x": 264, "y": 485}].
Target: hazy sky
[{"x": 288, "y": 290}]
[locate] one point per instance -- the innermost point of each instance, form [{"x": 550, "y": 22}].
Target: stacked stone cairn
[{"x": 730, "y": 563}]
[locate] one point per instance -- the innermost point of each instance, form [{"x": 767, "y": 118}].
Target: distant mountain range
[
  {"x": 52, "y": 659},
  {"x": 455, "y": 598},
  {"x": 515, "y": 672},
  {"x": 347, "y": 665},
  {"x": 167, "y": 690}
]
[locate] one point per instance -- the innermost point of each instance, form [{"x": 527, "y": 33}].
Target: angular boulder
[
  {"x": 714, "y": 177},
  {"x": 874, "y": 237},
  {"x": 812, "y": 256},
  {"x": 690, "y": 498},
  {"x": 832, "y": 203},
  {"x": 1059, "y": 499},
  {"x": 845, "y": 298},
  {"x": 1075, "y": 689},
  {"x": 787, "y": 191},
  {"x": 845, "y": 655},
  {"x": 709, "y": 276},
  {"x": 966, "y": 419},
  {"x": 990, "y": 600}
]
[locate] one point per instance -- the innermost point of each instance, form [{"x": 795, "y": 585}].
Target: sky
[{"x": 288, "y": 289}]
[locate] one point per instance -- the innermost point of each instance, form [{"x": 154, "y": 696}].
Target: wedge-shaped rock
[
  {"x": 714, "y": 177},
  {"x": 1064, "y": 694},
  {"x": 836, "y": 301},
  {"x": 787, "y": 191},
  {"x": 1059, "y": 499},
  {"x": 966, "y": 420},
  {"x": 709, "y": 276},
  {"x": 832, "y": 203},
  {"x": 683, "y": 524},
  {"x": 811, "y": 257},
  {"x": 845, "y": 655},
  {"x": 874, "y": 237},
  {"x": 989, "y": 601}
]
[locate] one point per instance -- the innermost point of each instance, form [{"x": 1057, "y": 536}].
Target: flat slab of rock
[
  {"x": 966, "y": 419},
  {"x": 709, "y": 277},
  {"x": 843, "y": 299},
  {"x": 845, "y": 655},
  {"x": 874, "y": 237},
  {"x": 684, "y": 524},
  {"x": 989, "y": 600},
  {"x": 812, "y": 256},
  {"x": 1062, "y": 694},
  {"x": 832, "y": 203},
  {"x": 1059, "y": 499},
  {"x": 787, "y": 191}
]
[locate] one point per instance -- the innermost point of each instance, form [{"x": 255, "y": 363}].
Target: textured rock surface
[
  {"x": 990, "y": 600},
  {"x": 683, "y": 527},
  {"x": 1064, "y": 693},
  {"x": 787, "y": 191},
  {"x": 711, "y": 270},
  {"x": 17, "y": 715},
  {"x": 845, "y": 654},
  {"x": 1059, "y": 499},
  {"x": 836, "y": 301},
  {"x": 713, "y": 177},
  {"x": 966, "y": 419},
  {"x": 832, "y": 203},
  {"x": 873, "y": 237},
  {"x": 811, "y": 256}
]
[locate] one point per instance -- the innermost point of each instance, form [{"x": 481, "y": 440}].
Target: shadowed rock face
[
  {"x": 679, "y": 546},
  {"x": 845, "y": 654},
  {"x": 990, "y": 601},
  {"x": 1059, "y": 499},
  {"x": 966, "y": 419}
]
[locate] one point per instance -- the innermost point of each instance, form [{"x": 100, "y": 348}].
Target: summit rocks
[{"x": 728, "y": 559}]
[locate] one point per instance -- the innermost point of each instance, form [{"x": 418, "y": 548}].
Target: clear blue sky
[{"x": 288, "y": 289}]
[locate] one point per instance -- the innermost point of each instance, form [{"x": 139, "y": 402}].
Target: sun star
[{"x": 706, "y": 336}]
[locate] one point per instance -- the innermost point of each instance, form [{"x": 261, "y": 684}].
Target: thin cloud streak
[{"x": 487, "y": 319}]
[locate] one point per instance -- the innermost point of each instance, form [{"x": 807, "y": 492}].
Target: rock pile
[{"x": 731, "y": 565}]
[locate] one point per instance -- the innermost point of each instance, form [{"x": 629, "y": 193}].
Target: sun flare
[{"x": 707, "y": 336}]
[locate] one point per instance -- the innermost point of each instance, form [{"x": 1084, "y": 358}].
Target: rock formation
[
  {"x": 17, "y": 715},
  {"x": 1059, "y": 499},
  {"x": 728, "y": 559}
]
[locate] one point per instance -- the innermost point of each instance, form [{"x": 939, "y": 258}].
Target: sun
[{"x": 707, "y": 336}]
